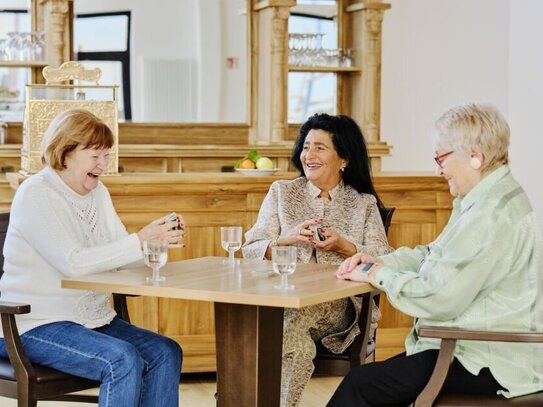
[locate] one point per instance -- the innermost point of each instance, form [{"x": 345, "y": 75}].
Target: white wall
[
  {"x": 437, "y": 54},
  {"x": 188, "y": 29},
  {"x": 526, "y": 96}
]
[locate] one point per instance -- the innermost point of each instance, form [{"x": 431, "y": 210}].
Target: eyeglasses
[{"x": 439, "y": 158}]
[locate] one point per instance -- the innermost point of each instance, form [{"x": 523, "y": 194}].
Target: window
[
  {"x": 313, "y": 92},
  {"x": 104, "y": 39}
]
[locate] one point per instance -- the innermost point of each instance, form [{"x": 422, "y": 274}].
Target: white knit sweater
[{"x": 55, "y": 233}]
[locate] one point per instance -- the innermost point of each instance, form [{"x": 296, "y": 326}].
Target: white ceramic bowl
[{"x": 257, "y": 173}]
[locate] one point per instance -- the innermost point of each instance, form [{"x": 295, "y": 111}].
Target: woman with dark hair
[
  {"x": 329, "y": 213},
  {"x": 351, "y": 147}
]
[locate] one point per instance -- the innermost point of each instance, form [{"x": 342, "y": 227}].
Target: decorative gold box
[{"x": 44, "y": 102}]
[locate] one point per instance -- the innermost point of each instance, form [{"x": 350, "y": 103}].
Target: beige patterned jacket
[{"x": 353, "y": 215}]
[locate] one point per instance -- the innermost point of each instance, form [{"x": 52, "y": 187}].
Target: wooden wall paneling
[
  {"x": 390, "y": 342},
  {"x": 188, "y": 134},
  {"x": 143, "y": 311},
  {"x": 183, "y": 133},
  {"x": 150, "y": 165},
  {"x": 192, "y": 325},
  {"x": 167, "y": 158},
  {"x": 208, "y": 165},
  {"x": 10, "y": 158},
  {"x": 6, "y": 193},
  {"x": 14, "y": 134}
]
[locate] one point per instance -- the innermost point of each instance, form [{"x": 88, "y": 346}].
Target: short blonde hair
[
  {"x": 70, "y": 129},
  {"x": 475, "y": 124}
]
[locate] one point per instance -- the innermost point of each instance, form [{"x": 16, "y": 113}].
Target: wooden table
[{"x": 248, "y": 313}]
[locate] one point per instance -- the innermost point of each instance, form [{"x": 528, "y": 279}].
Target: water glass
[
  {"x": 155, "y": 255},
  {"x": 231, "y": 241},
  {"x": 38, "y": 46},
  {"x": 13, "y": 47},
  {"x": 284, "y": 263},
  {"x": 3, "y": 52}
]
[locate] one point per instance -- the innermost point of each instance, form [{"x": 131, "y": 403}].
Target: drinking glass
[
  {"x": 284, "y": 263},
  {"x": 231, "y": 241},
  {"x": 25, "y": 53},
  {"x": 3, "y": 52},
  {"x": 38, "y": 46},
  {"x": 155, "y": 255},
  {"x": 13, "y": 47}
]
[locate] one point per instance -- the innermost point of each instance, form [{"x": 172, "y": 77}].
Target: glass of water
[
  {"x": 284, "y": 263},
  {"x": 231, "y": 241},
  {"x": 155, "y": 255}
]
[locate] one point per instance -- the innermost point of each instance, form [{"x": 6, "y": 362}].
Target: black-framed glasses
[{"x": 439, "y": 158}]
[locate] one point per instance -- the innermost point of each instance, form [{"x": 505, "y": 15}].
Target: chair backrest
[
  {"x": 386, "y": 217},
  {"x": 4, "y": 222}
]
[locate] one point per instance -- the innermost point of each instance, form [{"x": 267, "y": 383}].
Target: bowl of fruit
[{"x": 254, "y": 165}]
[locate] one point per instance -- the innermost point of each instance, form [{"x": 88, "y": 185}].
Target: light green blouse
[{"x": 484, "y": 271}]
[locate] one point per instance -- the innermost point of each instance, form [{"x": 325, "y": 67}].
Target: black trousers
[{"x": 397, "y": 382}]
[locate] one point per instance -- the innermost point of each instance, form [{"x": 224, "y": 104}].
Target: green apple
[{"x": 264, "y": 163}]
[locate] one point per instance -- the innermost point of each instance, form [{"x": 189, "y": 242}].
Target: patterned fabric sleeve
[{"x": 266, "y": 229}]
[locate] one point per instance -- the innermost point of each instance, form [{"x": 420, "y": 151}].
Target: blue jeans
[{"x": 136, "y": 367}]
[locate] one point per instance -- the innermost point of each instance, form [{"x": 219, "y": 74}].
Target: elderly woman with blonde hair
[
  {"x": 63, "y": 224},
  {"x": 483, "y": 272}
]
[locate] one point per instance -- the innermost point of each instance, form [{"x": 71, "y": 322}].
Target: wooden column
[
  {"x": 371, "y": 68},
  {"x": 57, "y": 24},
  {"x": 359, "y": 95},
  {"x": 270, "y": 71}
]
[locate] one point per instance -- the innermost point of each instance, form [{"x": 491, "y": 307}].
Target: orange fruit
[{"x": 247, "y": 164}]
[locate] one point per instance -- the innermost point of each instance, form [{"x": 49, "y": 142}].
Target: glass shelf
[
  {"x": 296, "y": 68},
  {"x": 23, "y": 64}
]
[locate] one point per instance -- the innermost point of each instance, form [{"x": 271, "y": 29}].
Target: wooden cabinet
[
  {"x": 358, "y": 87},
  {"x": 54, "y": 17}
]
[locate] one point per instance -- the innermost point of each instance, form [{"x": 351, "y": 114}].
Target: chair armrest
[
  {"x": 14, "y": 308},
  {"x": 448, "y": 337},
  {"x": 17, "y": 356},
  {"x": 443, "y": 363},
  {"x": 464, "y": 334}
]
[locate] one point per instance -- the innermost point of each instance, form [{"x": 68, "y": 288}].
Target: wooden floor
[{"x": 200, "y": 391}]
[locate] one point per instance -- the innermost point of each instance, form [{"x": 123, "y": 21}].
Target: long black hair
[{"x": 349, "y": 144}]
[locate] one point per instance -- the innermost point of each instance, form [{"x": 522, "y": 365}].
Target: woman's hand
[
  {"x": 334, "y": 242},
  {"x": 299, "y": 233},
  {"x": 171, "y": 231},
  {"x": 348, "y": 270}
]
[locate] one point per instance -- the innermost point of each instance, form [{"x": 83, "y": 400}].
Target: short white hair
[{"x": 475, "y": 125}]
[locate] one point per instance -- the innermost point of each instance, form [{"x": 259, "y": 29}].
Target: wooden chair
[
  {"x": 332, "y": 364},
  {"x": 432, "y": 395},
  {"x": 27, "y": 382}
]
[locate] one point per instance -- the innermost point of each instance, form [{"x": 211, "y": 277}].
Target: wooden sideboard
[
  {"x": 161, "y": 158},
  {"x": 208, "y": 201}
]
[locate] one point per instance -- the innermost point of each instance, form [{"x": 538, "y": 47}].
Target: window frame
[{"x": 120, "y": 56}]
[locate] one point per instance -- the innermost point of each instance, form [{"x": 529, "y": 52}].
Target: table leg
[{"x": 249, "y": 345}]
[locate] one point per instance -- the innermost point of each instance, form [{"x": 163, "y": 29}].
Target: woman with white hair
[{"x": 483, "y": 272}]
